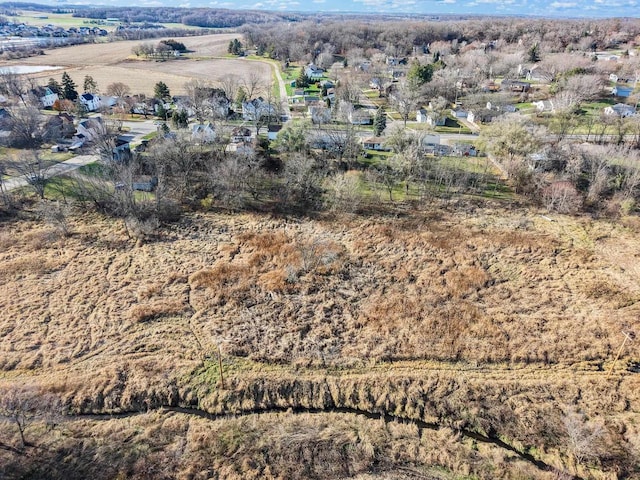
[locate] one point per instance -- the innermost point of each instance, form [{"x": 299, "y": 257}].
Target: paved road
[
  {"x": 57, "y": 169},
  {"x": 137, "y": 130}
]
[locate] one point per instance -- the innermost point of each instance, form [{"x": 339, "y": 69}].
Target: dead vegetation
[{"x": 473, "y": 317}]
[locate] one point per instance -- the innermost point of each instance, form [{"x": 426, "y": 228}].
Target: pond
[{"x": 23, "y": 69}]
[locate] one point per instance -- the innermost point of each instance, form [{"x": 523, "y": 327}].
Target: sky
[{"x": 544, "y": 8}]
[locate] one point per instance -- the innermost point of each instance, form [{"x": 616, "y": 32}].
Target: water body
[{"x": 23, "y": 69}]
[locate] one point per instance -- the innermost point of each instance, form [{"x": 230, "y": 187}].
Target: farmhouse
[{"x": 203, "y": 132}]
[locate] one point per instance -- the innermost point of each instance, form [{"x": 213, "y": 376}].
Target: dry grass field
[
  {"x": 473, "y": 317},
  {"x": 114, "y": 62}
]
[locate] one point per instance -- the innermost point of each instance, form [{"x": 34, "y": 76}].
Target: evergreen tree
[
  {"x": 180, "y": 118},
  {"x": 420, "y": 74},
  {"x": 161, "y": 91},
  {"x": 302, "y": 81},
  {"x": 241, "y": 96},
  {"x": 90, "y": 85},
  {"x": 69, "y": 91},
  {"x": 235, "y": 47},
  {"x": 54, "y": 86},
  {"x": 533, "y": 54},
  {"x": 379, "y": 122}
]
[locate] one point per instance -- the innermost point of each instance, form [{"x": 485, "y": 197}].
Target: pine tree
[
  {"x": 379, "y": 122},
  {"x": 302, "y": 81},
  {"x": 161, "y": 91},
  {"x": 54, "y": 86},
  {"x": 69, "y": 91},
  {"x": 90, "y": 85}
]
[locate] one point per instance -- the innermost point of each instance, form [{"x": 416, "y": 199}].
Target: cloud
[{"x": 557, "y": 5}]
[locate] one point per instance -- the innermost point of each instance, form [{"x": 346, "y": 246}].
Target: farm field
[
  {"x": 114, "y": 62},
  {"x": 516, "y": 313}
]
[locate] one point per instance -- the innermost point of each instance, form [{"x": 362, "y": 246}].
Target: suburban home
[
  {"x": 544, "y": 106},
  {"x": 45, "y": 96},
  {"x": 122, "y": 150},
  {"x": 273, "y": 131},
  {"x": 393, "y": 61},
  {"x": 90, "y": 101},
  {"x": 490, "y": 86},
  {"x": 374, "y": 143},
  {"x": 256, "y": 109},
  {"x": 622, "y": 91},
  {"x": 241, "y": 135},
  {"x": 621, "y": 110},
  {"x": 108, "y": 101},
  {"x": 60, "y": 126},
  {"x": 219, "y": 105},
  {"x": 360, "y": 116},
  {"x": 319, "y": 114},
  {"x": 313, "y": 72},
  {"x": 499, "y": 107},
  {"x": 203, "y": 133},
  {"x": 459, "y": 112},
  {"x": 90, "y": 128},
  {"x": 421, "y": 116},
  {"x": 514, "y": 86},
  {"x": 482, "y": 116}
]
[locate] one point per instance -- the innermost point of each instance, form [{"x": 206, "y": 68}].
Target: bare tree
[
  {"x": 253, "y": 84},
  {"x": 583, "y": 437},
  {"x": 34, "y": 169},
  {"x": 24, "y": 405},
  {"x": 229, "y": 84},
  {"x": 26, "y": 127},
  {"x": 118, "y": 89}
]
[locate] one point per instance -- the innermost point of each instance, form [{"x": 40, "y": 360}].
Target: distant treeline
[{"x": 198, "y": 17}]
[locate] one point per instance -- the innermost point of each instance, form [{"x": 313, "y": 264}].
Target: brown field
[
  {"x": 471, "y": 317},
  {"x": 114, "y": 62}
]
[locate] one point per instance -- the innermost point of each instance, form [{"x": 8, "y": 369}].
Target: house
[
  {"x": 514, "y": 86},
  {"x": 273, "y": 130},
  {"x": 459, "y": 112},
  {"x": 45, "y": 96},
  {"x": 256, "y": 109},
  {"x": 483, "y": 116},
  {"x": 622, "y": 91},
  {"x": 313, "y": 72},
  {"x": 90, "y": 128},
  {"x": 500, "y": 107},
  {"x": 241, "y": 135},
  {"x": 90, "y": 101},
  {"x": 544, "y": 106},
  {"x": 122, "y": 150},
  {"x": 421, "y": 116},
  {"x": 108, "y": 101},
  {"x": 144, "y": 183},
  {"x": 203, "y": 133},
  {"x": 490, "y": 86},
  {"x": 360, "y": 117},
  {"x": 219, "y": 105},
  {"x": 621, "y": 110},
  {"x": 374, "y": 143},
  {"x": 60, "y": 126}
]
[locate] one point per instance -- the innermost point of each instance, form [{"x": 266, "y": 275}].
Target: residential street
[{"x": 137, "y": 130}]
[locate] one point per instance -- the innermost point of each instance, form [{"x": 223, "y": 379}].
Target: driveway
[{"x": 137, "y": 130}]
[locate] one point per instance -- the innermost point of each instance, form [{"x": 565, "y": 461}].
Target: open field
[
  {"x": 114, "y": 62},
  {"x": 467, "y": 316}
]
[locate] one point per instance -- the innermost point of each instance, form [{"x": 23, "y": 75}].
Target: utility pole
[{"x": 626, "y": 337}]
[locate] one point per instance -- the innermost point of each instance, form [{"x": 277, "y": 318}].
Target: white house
[
  {"x": 421, "y": 116},
  {"x": 374, "y": 143},
  {"x": 273, "y": 131},
  {"x": 257, "y": 108},
  {"x": 241, "y": 135},
  {"x": 313, "y": 72},
  {"x": 90, "y": 102},
  {"x": 621, "y": 110},
  {"x": 45, "y": 96}
]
